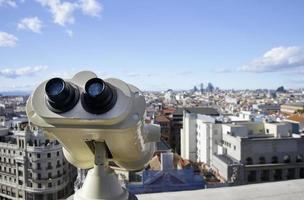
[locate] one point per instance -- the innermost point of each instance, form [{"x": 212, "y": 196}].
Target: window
[
  {"x": 251, "y": 176},
  {"x": 274, "y": 159},
  {"x": 277, "y": 174},
  {"x": 58, "y": 182},
  {"x": 38, "y": 155},
  {"x": 301, "y": 172},
  {"x": 50, "y": 197},
  {"x": 57, "y": 153},
  {"x": 49, "y": 155},
  {"x": 39, "y": 185},
  {"x": 58, "y": 163},
  {"x": 286, "y": 159},
  {"x": 49, "y": 165},
  {"x": 50, "y": 175},
  {"x": 299, "y": 158},
  {"x": 49, "y": 185},
  {"x": 262, "y": 160},
  {"x": 29, "y": 184},
  {"x": 249, "y": 161},
  {"x": 291, "y": 173}
]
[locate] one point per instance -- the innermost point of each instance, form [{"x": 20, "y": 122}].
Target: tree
[{"x": 281, "y": 89}]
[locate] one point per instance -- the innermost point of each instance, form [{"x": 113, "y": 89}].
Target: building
[
  {"x": 167, "y": 178},
  {"x": 266, "y": 108},
  {"x": 2, "y": 121},
  {"x": 33, "y": 167},
  {"x": 177, "y": 122},
  {"x": 297, "y": 121},
  {"x": 244, "y": 152},
  {"x": 198, "y": 141},
  {"x": 292, "y": 108},
  {"x": 165, "y": 127}
]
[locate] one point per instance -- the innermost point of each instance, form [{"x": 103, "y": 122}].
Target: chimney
[{"x": 166, "y": 161}]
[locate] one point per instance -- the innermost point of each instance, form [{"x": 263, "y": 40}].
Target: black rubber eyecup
[
  {"x": 99, "y": 97},
  {"x": 61, "y": 96}
]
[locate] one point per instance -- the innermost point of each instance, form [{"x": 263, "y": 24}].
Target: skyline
[{"x": 153, "y": 45}]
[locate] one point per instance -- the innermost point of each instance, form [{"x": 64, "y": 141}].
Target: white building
[
  {"x": 33, "y": 167},
  {"x": 197, "y": 141},
  {"x": 244, "y": 152}
]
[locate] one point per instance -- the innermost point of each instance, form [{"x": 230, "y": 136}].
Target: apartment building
[
  {"x": 33, "y": 167},
  {"x": 292, "y": 108},
  {"x": 244, "y": 152}
]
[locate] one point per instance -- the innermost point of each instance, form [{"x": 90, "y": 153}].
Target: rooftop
[
  {"x": 198, "y": 110},
  {"x": 296, "y": 118}
]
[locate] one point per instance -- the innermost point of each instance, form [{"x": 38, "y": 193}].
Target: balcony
[{"x": 49, "y": 167}]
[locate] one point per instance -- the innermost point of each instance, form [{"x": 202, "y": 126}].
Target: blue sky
[{"x": 155, "y": 45}]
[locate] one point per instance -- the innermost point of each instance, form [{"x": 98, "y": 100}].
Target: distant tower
[
  {"x": 202, "y": 87},
  {"x": 210, "y": 87}
]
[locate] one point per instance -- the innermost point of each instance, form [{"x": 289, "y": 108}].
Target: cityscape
[
  {"x": 210, "y": 138},
  {"x": 151, "y": 100}
]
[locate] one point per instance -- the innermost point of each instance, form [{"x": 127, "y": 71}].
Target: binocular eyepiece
[{"x": 98, "y": 97}]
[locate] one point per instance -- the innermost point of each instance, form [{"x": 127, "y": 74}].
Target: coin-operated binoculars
[{"x": 96, "y": 121}]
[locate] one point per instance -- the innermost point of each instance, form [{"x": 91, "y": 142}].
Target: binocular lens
[
  {"x": 95, "y": 89},
  {"x": 54, "y": 87},
  {"x": 61, "y": 95},
  {"x": 99, "y": 97}
]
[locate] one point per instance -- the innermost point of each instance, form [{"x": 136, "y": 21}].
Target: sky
[{"x": 155, "y": 45}]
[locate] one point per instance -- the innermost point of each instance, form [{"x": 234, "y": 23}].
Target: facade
[
  {"x": 266, "y": 108},
  {"x": 297, "y": 121},
  {"x": 198, "y": 141},
  {"x": 177, "y": 122},
  {"x": 33, "y": 167},
  {"x": 165, "y": 127},
  {"x": 244, "y": 152},
  {"x": 292, "y": 108}
]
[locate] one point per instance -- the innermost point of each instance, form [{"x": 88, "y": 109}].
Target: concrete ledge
[{"x": 291, "y": 190}]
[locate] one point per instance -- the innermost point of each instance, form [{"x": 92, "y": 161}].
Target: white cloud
[
  {"x": 70, "y": 33},
  {"x": 276, "y": 59},
  {"x": 63, "y": 11},
  {"x": 31, "y": 23},
  {"x": 7, "y": 40},
  {"x": 90, "y": 7},
  {"x": 24, "y": 71},
  {"x": 11, "y": 3}
]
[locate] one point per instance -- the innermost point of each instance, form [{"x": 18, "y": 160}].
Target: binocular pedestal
[{"x": 101, "y": 182}]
